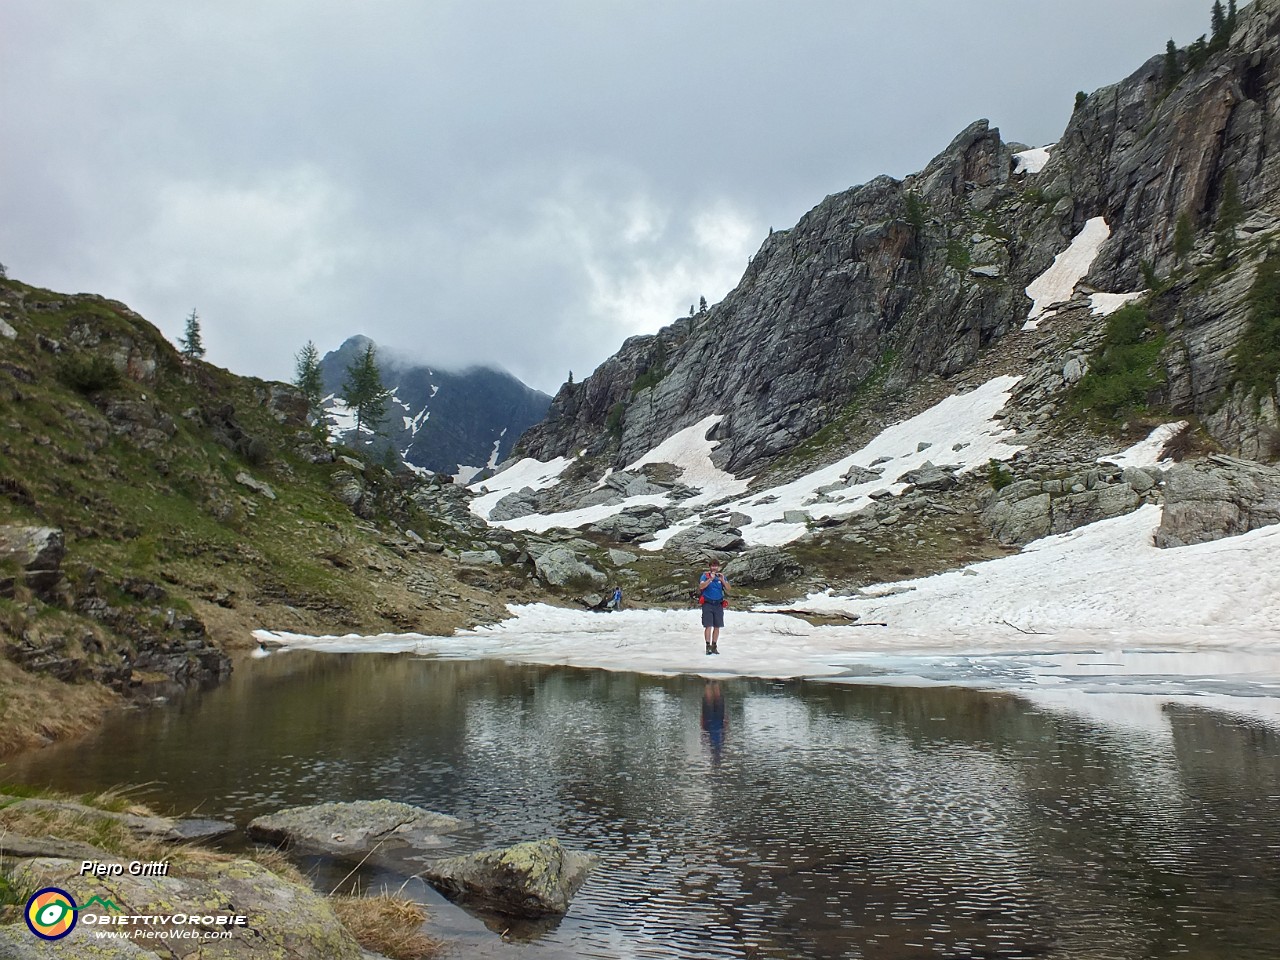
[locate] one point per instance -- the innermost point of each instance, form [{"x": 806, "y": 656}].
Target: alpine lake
[{"x": 748, "y": 818}]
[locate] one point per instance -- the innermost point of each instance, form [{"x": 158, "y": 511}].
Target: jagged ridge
[{"x": 899, "y": 280}]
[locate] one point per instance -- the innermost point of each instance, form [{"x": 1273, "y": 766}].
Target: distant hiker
[
  {"x": 615, "y": 601},
  {"x": 713, "y": 594}
]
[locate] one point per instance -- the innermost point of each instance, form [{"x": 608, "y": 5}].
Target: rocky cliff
[
  {"x": 894, "y": 282},
  {"x": 440, "y": 420}
]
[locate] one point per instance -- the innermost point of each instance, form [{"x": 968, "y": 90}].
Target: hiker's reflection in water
[{"x": 713, "y": 718}]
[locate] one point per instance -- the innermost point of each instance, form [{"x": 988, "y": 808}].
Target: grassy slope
[{"x": 139, "y": 505}]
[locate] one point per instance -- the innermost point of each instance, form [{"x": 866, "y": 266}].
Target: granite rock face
[
  {"x": 1218, "y": 498},
  {"x": 36, "y": 552},
  {"x": 898, "y": 280},
  {"x": 1032, "y": 508},
  {"x": 814, "y": 316}
]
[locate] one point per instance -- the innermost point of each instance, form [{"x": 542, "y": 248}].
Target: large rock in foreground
[
  {"x": 536, "y": 879},
  {"x": 284, "y": 920},
  {"x": 17, "y": 943},
  {"x": 344, "y": 829},
  {"x": 762, "y": 565}
]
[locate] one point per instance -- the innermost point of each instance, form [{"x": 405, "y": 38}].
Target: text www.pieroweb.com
[{"x": 144, "y": 934}]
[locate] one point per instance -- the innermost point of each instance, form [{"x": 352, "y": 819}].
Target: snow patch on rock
[
  {"x": 1150, "y": 451},
  {"x": 1058, "y": 283},
  {"x": 1033, "y": 160}
]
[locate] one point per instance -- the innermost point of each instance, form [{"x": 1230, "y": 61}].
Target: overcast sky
[{"x": 524, "y": 183}]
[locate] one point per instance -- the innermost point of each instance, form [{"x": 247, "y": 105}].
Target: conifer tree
[
  {"x": 1218, "y": 27},
  {"x": 363, "y": 392},
  {"x": 1230, "y": 213},
  {"x": 1231, "y": 17},
  {"x": 1197, "y": 54},
  {"x": 1184, "y": 236},
  {"x": 1172, "y": 72},
  {"x": 307, "y": 375},
  {"x": 192, "y": 345},
  {"x": 702, "y": 304}
]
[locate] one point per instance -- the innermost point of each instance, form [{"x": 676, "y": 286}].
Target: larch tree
[
  {"x": 1184, "y": 236},
  {"x": 307, "y": 376},
  {"x": 363, "y": 391},
  {"x": 191, "y": 342}
]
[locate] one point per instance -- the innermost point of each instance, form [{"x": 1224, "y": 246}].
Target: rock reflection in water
[{"x": 754, "y": 818}]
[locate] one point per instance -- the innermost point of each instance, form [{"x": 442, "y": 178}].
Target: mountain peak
[{"x": 455, "y": 423}]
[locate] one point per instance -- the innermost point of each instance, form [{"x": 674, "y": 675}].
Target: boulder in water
[
  {"x": 534, "y": 879},
  {"x": 345, "y": 829}
]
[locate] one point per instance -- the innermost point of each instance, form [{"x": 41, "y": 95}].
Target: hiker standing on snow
[{"x": 713, "y": 594}]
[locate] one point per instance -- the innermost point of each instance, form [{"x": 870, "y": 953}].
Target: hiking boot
[
  {"x": 709, "y": 650},
  {"x": 713, "y": 649}
]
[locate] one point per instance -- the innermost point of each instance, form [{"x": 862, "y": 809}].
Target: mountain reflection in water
[{"x": 743, "y": 818}]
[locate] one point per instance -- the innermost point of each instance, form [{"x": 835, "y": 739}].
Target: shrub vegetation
[
  {"x": 1126, "y": 370},
  {"x": 89, "y": 373},
  {"x": 998, "y": 475},
  {"x": 1257, "y": 355}
]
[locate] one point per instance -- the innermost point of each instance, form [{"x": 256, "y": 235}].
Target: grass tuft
[
  {"x": 12, "y": 899},
  {"x": 35, "y": 710},
  {"x": 388, "y": 925}
]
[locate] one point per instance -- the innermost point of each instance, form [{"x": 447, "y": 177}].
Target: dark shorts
[{"x": 712, "y": 615}]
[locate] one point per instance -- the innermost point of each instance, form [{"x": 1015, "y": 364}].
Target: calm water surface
[{"x": 753, "y": 818}]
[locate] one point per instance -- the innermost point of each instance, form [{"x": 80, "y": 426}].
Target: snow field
[
  {"x": 960, "y": 430},
  {"x": 1105, "y": 304},
  {"x": 1097, "y": 622},
  {"x": 523, "y": 473}
]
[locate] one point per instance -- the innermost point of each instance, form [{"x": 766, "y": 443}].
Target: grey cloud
[{"x": 524, "y": 184}]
